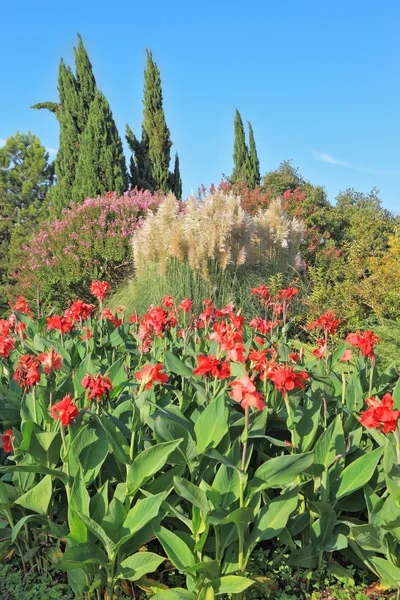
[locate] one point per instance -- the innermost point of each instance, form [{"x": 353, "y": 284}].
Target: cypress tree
[
  {"x": 101, "y": 166},
  {"x": 68, "y": 151},
  {"x": 86, "y": 83},
  {"x": 151, "y": 156},
  {"x": 241, "y": 160},
  {"x": 254, "y": 162},
  {"x": 176, "y": 180}
]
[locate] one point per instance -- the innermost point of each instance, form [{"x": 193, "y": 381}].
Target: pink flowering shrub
[{"x": 89, "y": 241}]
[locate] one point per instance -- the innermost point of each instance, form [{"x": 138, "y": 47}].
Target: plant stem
[
  {"x": 64, "y": 441},
  {"x": 245, "y": 435}
]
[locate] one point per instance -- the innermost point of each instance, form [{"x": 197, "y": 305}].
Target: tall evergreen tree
[
  {"x": 241, "y": 159},
  {"x": 77, "y": 94},
  {"x": 101, "y": 165},
  {"x": 149, "y": 167},
  {"x": 254, "y": 162},
  {"x": 25, "y": 178},
  {"x": 176, "y": 180}
]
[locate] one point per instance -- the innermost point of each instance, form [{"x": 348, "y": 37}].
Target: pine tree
[
  {"x": 152, "y": 154},
  {"x": 254, "y": 162},
  {"x": 101, "y": 166},
  {"x": 241, "y": 160}
]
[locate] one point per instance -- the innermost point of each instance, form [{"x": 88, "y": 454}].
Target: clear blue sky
[{"x": 318, "y": 79}]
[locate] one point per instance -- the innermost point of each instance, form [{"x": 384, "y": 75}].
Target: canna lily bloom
[
  {"x": 320, "y": 350},
  {"x": 7, "y": 344},
  {"x": 134, "y": 318},
  {"x": 100, "y": 289},
  {"x": 167, "y": 301},
  {"x": 380, "y": 415},
  {"x": 99, "y": 386},
  {"x": 286, "y": 379},
  {"x": 186, "y": 305},
  {"x": 63, "y": 324},
  {"x": 27, "y": 372},
  {"x": 20, "y": 330},
  {"x": 288, "y": 294},
  {"x": 79, "y": 310},
  {"x": 365, "y": 341},
  {"x": 6, "y": 441},
  {"x": 262, "y": 325},
  {"x": 51, "y": 361},
  {"x": 327, "y": 322},
  {"x": 65, "y": 410},
  {"x": 244, "y": 391},
  {"x": 150, "y": 374},
  {"x": 108, "y": 315},
  {"x": 5, "y": 327},
  {"x": 261, "y": 291},
  {"x": 347, "y": 356},
  {"x": 22, "y": 306},
  {"x": 87, "y": 334},
  {"x": 211, "y": 366}
]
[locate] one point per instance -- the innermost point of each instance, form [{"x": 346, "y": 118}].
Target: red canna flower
[
  {"x": 320, "y": 350},
  {"x": 261, "y": 325},
  {"x": 27, "y": 372},
  {"x": 99, "y": 289},
  {"x": 294, "y": 356},
  {"x": 51, "y": 361},
  {"x": 261, "y": 291},
  {"x": 211, "y": 366},
  {"x": 365, "y": 341},
  {"x": 7, "y": 344},
  {"x": 6, "y": 441},
  {"x": 286, "y": 379},
  {"x": 186, "y": 305},
  {"x": 167, "y": 301},
  {"x": 99, "y": 386},
  {"x": 327, "y": 322},
  {"x": 347, "y": 356},
  {"x": 20, "y": 329},
  {"x": 22, "y": 306},
  {"x": 108, "y": 315},
  {"x": 150, "y": 374},
  {"x": 288, "y": 294},
  {"x": 63, "y": 324},
  {"x": 87, "y": 334},
  {"x": 134, "y": 319},
  {"x": 5, "y": 327},
  {"x": 244, "y": 391},
  {"x": 79, "y": 310},
  {"x": 380, "y": 415},
  {"x": 65, "y": 410}
]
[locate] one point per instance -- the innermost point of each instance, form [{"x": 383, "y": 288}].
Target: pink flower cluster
[{"x": 82, "y": 227}]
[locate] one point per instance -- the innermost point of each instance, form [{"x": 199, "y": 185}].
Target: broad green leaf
[
  {"x": 143, "y": 512},
  {"x": 175, "y": 365},
  {"x": 167, "y": 430},
  {"x": 176, "y": 549},
  {"x": 273, "y": 517},
  {"x": 81, "y": 554},
  {"x": 388, "y": 572},
  {"x": 136, "y": 566},
  {"x": 38, "y": 498},
  {"x": 117, "y": 376},
  {"x": 191, "y": 493},
  {"x": 306, "y": 429},
  {"x": 88, "y": 451},
  {"x": 148, "y": 463},
  {"x": 279, "y": 471},
  {"x": 175, "y": 594},
  {"x": 84, "y": 368},
  {"x": 101, "y": 535},
  {"x": 227, "y": 483},
  {"x": 35, "y": 469},
  {"x": 212, "y": 425},
  {"x": 357, "y": 474},
  {"x": 231, "y": 584},
  {"x": 113, "y": 521},
  {"x": 99, "y": 503},
  {"x": 369, "y": 537},
  {"x": 330, "y": 445}
]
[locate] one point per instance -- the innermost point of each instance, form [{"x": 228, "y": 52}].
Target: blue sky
[{"x": 318, "y": 79}]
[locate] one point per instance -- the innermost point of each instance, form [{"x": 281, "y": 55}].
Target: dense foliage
[
  {"x": 88, "y": 241},
  {"x": 195, "y": 439}
]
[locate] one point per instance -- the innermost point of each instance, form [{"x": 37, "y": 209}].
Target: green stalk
[{"x": 64, "y": 441}]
